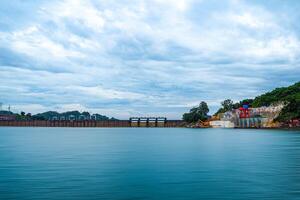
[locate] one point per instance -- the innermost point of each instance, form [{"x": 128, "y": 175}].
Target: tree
[
  {"x": 38, "y": 117},
  {"x": 85, "y": 113},
  {"x": 227, "y": 104},
  {"x": 203, "y": 108},
  {"x": 290, "y": 111},
  {"x": 197, "y": 113},
  {"x": 22, "y": 113},
  {"x": 28, "y": 116}
]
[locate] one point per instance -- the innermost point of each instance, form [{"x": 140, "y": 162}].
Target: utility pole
[
  {"x": 9, "y": 108},
  {"x": 1, "y": 104}
]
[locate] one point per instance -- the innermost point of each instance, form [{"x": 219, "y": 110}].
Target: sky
[{"x": 126, "y": 58}]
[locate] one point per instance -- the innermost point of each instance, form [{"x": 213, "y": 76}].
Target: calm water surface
[{"x": 153, "y": 163}]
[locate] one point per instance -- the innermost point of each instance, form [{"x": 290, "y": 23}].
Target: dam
[{"x": 132, "y": 122}]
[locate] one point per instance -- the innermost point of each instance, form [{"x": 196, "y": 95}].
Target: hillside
[
  {"x": 284, "y": 94},
  {"x": 76, "y": 114},
  {"x": 289, "y": 95}
]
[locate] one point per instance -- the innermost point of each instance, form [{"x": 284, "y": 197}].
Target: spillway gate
[{"x": 147, "y": 121}]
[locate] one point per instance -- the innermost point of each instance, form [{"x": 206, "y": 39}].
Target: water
[{"x": 153, "y": 163}]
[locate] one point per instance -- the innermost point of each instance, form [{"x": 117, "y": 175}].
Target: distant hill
[
  {"x": 76, "y": 115},
  {"x": 284, "y": 94},
  {"x": 5, "y": 112},
  {"x": 53, "y": 115}
]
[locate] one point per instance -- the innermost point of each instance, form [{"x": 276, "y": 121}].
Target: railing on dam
[{"x": 90, "y": 123}]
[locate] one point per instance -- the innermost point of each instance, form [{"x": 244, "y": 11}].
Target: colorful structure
[
  {"x": 244, "y": 111},
  {"x": 247, "y": 117}
]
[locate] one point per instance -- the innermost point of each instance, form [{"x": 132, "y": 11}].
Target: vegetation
[
  {"x": 290, "y": 111},
  {"x": 45, "y": 115},
  {"x": 283, "y": 94},
  {"x": 5, "y": 112},
  {"x": 49, "y": 115},
  {"x": 66, "y": 115},
  {"x": 197, "y": 113},
  {"x": 228, "y": 105},
  {"x": 290, "y": 96}
]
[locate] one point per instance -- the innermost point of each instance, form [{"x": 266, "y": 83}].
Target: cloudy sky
[{"x": 132, "y": 58}]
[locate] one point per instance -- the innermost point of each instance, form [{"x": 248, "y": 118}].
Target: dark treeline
[{"x": 53, "y": 115}]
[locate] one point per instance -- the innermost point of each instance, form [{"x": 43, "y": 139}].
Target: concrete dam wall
[{"x": 90, "y": 123}]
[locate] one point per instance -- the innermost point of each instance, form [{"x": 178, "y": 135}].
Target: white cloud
[
  {"x": 79, "y": 11},
  {"x": 28, "y": 108},
  {"x": 287, "y": 47},
  {"x": 250, "y": 20},
  {"x": 179, "y": 5},
  {"x": 100, "y": 92},
  {"x": 31, "y": 42},
  {"x": 132, "y": 57}
]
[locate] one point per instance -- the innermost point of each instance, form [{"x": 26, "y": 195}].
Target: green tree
[
  {"x": 203, "y": 108},
  {"x": 28, "y": 116},
  {"x": 290, "y": 111},
  {"x": 227, "y": 104},
  {"x": 197, "y": 113}
]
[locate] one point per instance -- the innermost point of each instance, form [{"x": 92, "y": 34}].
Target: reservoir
[{"x": 148, "y": 163}]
